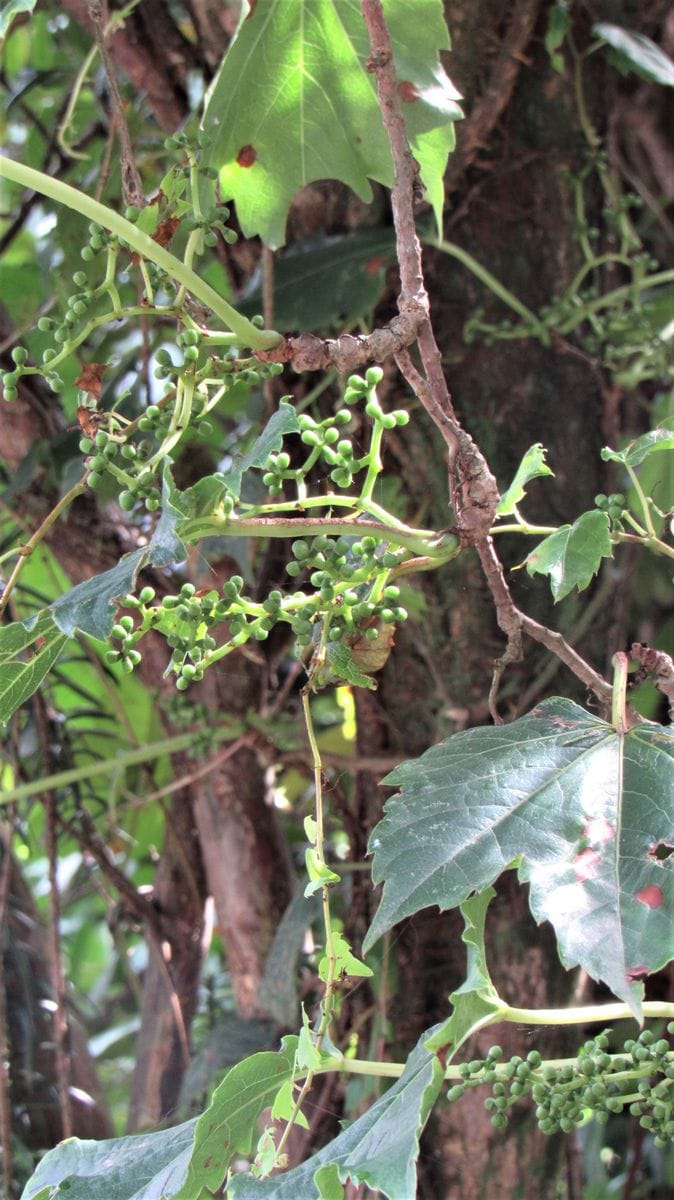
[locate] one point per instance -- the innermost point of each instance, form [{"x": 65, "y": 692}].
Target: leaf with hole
[
  {"x": 582, "y": 809},
  {"x": 531, "y": 467}
]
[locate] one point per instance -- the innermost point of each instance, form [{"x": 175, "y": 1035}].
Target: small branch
[
  {"x": 560, "y": 647},
  {"x": 660, "y": 666},
  {"x": 350, "y": 351},
  {"x": 132, "y": 186}
]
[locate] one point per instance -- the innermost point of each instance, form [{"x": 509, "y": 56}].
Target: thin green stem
[
  {"x": 27, "y": 549},
  {"x": 105, "y": 766},
  {"x": 645, "y": 507},
  {"x": 63, "y": 193},
  {"x": 493, "y": 284},
  {"x": 586, "y": 1014},
  {"x": 620, "y": 671},
  {"x": 374, "y": 462},
  {"x": 441, "y": 548}
]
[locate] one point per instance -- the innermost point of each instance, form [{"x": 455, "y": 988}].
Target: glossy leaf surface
[
  {"x": 587, "y": 813},
  {"x": 572, "y": 555},
  {"x": 311, "y": 110}
]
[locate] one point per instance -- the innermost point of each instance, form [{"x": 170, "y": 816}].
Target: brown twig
[
  {"x": 660, "y": 666},
  {"x": 132, "y": 186},
  {"x": 559, "y": 646}
]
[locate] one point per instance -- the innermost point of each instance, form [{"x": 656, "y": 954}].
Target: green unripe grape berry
[
  {"x": 330, "y": 436},
  {"x": 134, "y": 657},
  {"x": 126, "y": 501},
  {"x": 100, "y": 439},
  {"x": 402, "y": 417},
  {"x": 392, "y": 593},
  {"x": 98, "y": 464},
  {"x": 191, "y": 354},
  {"x": 93, "y": 480},
  {"x": 388, "y": 421},
  {"x": 182, "y": 684},
  {"x": 283, "y": 461},
  {"x": 601, "y": 500},
  {"x": 389, "y": 559},
  {"x": 112, "y": 656},
  {"x": 369, "y": 544},
  {"x": 341, "y": 476},
  {"x": 189, "y": 337},
  {"x": 456, "y": 1092},
  {"x": 86, "y": 254},
  {"x": 56, "y": 383},
  {"x": 300, "y": 549},
  {"x": 356, "y": 383},
  {"x": 374, "y": 410},
  {"x": 48, "y": 354},
  {"x": 10, "y": 394},
  {"x": 79, "y": 308},
  {"x": 305, "y": 421},
  {"x": 128, "y": 451},
  {"x": 20, "y": 355},
  {"x": 330, "y": 457},
  {"x": 351, "y": 396},
  {"x": 147, "y": 595},
  {"x": 96, "y": 243},
  {"x": 310, "y": 438},
  {"x": 373, "y": 376},
  {"x": 127, "y": 623},
  {"x": 119, "y": 631},
  {"x": 86, "y": 445},
  {"x": 293, "y": 569},
  {"x": 371, "y": 634}
]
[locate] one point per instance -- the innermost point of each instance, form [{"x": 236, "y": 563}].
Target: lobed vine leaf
[
  {"x": 476, "y": 1001},
  {"x": 147, "y": 1166},
  {"x": 573, "y": 554},
  {"x": 587, "y": 813},
  {"x": 229, "y": 1125},
  {"x": 28, "y": 652},
  {"x": 311, "y": 110},
  {"x": 282, "y": 422},
  {"x": 379, "y": 1149},
  {"x": 638, "y": 53},
  {"x": 532, "y": 465}
]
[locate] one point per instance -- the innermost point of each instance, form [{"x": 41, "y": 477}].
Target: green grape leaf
[
  {"x": 342, "y": 667},
  {"x": 532, "y": 465},
  {"x": 573, "y": 554},
  {"x": 229, "y": 1124},
  {"x": 476, "y": 1002},
  {"x": 346, "y": 961},
  {"x": 559, "y": 24},
  {"x": 28, "y": 652},
  {"x": 634, "y": 454},
  {"x": 379, "y": 1149},
  {"x": 587, "y": 812},
  {"x": 638, "y": 53},
  {"x": 146, "y": 1166},
  {"x": 11, "y": 10},
  {"x": 91, "y": 606},
  {"x": 355, "y": 264},
  {"x": 282, "y": 422},
  {"x": 311, "y": 109}
]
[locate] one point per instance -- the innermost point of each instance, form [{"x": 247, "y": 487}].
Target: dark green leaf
[
  {"x": 278, "y": 993},
  {"x": 585, "y": 808},
  {"x": 148, "y": 1166},
  {"x": 573, "y": 554},
  {"x": 532, "y": 465},
  {"x": 90, "y": 606},
  {"x": 634, "y": 454},
  {"x": 636, "y": 52},
  {"x": 311, "y": 110},
  {"x": 354, "y": 266},
  {"x": 27, "y": 655},
  {"x": 342, "y": 667},
  {"x": 559, "y": 23},
  {"x": 283, "y": 421},
  {"x": 380, "y": 1148},
  {"x": 229, "y": 1124}
]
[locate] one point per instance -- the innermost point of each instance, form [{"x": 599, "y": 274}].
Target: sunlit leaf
[
  {"x": 634, "y": 454},
  {"x": 311, "y": 110},
  {"x": 532, "y": 465},
  {"x": 582, "y": 808},
  {"x": 27, "y": 655},
  {"x": 636, "y": 52}
]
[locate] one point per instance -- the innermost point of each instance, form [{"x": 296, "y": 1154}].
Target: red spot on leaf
[
  {"x": 585, "y": 864},
  {"x": 407, "y": 91},
  {"x": 637, "y": 973},
  {"x": 247, "y": 156},
  {"x": 598, "y": 830},
  {"x": 652, "y": 896},
  {"x": 375, "y": 264},
  {"x": 165, "y": 231},
  {"x": 441, "y": 1055}
]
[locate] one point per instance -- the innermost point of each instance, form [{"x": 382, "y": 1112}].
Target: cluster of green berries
[
  {"x": 109, "y": 453},
  {"x": 613, "y": 505},
  {"x": 325, "y": 444},
  {"x": 358, "y": 389},
  {"x": 128, "y": 633},
  {"x": 597, "y": 1084},
  {"x": 99, "y": 239},
  {"x": 10, "y": 379}
]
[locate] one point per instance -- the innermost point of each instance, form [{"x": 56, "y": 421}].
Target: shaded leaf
[
  {"x": 582, "y": 806},
  {"x": 147, "y": 1166},
  {"x": 635, "y": 453},
  {"x": 283, "y": 421},
  {"x": 27, "y": 654},
  {"x": 229, "y": 1124},
  {"x": 312, "y": 111},
  {"x": 355, "y": 265},
  {"x": 573, "y": 554},
  {"x": 379, "y": 1149},
  {"x": 278, "y": 994},
  {"x": 636, "y": 52},
  {"x": 532, "y": 465},
  {"x": 342, "y": 667}
]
